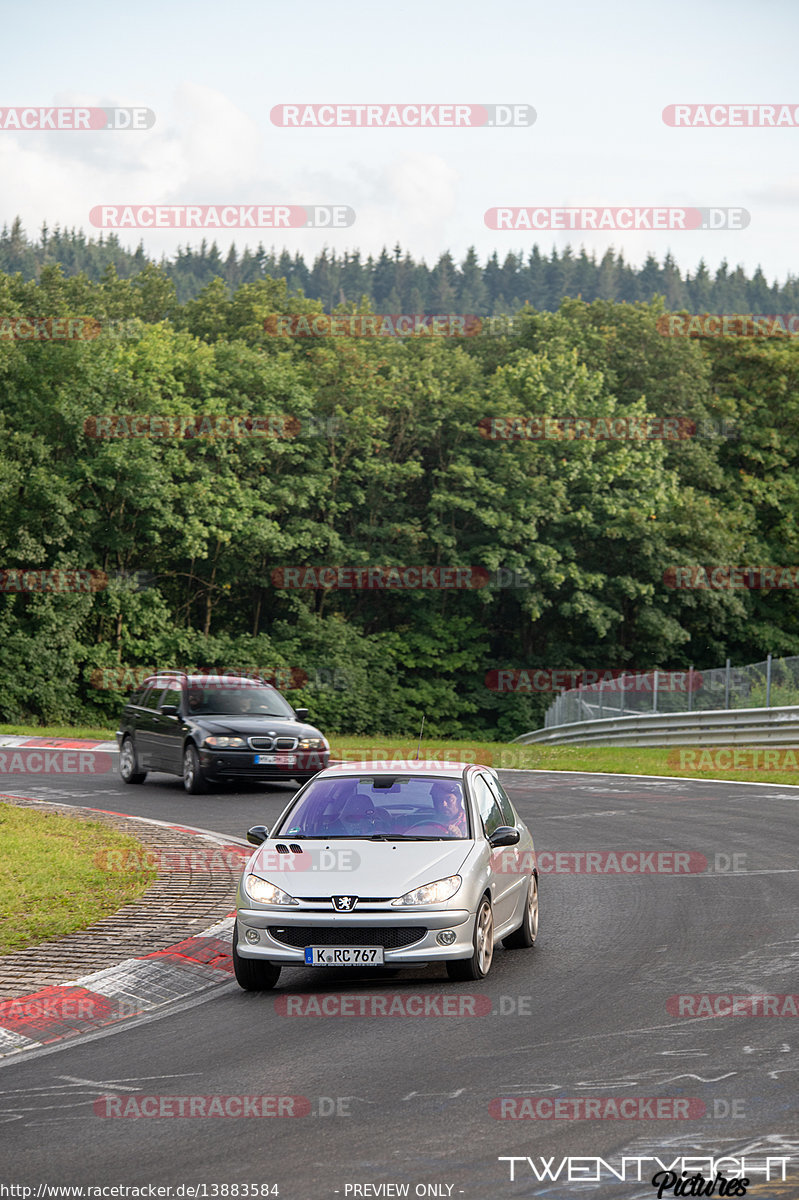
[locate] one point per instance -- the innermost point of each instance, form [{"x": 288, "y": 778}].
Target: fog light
[
  {"x": 252, "y": 935},
  {"x": 446, "y": 937}
]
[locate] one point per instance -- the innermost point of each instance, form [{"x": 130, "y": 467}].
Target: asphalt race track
[{"x": 407, "y": 1099}]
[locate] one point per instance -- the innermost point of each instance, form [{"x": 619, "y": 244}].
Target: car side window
[
  {"x": 503, "y": 799},
  {"x": 487, "y": 805},
  {"x": 155, "y": 698},
  {"x": 143, "y": 700},
  {"x": 171, "y": 696}
]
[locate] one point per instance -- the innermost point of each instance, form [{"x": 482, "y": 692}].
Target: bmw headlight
[
  {"x": 264, "y": 892},
  {"x": 312, "y": 744},
  {"x": 225, "y": 743},
  {"x": 431, "y": 893}
]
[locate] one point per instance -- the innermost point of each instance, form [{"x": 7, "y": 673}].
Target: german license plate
[
  {"x": 265, "y": 760},
  {"x": 343, "y": 956}
]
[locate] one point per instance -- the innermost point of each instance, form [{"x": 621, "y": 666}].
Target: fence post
[
  {"x": 690, "y": 688},
  {"x": 727, "y": 685},
  {"x": 601, "y": 694},
  {"x": 621, "y": 701},
  {"x": 768, "y": 681},
  {"x": 655, "y": 693}
]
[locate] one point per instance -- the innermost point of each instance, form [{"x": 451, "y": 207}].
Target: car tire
[
  {"x": 524, "y": 937},
  {"x": 193, "y": 779},
  {"x": 253, "y": 974},
  {"x": 129, "y": 763},
  {"x": 477, "y": 967}
]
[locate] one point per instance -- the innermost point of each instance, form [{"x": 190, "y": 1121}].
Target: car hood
[
  {"x": 358, "y": 867},
  {"x": 256, "y": 726}
]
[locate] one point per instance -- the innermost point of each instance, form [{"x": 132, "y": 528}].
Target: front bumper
[
  {"x": 424, "y": 949},
  {"x": 241, "y": 764}
]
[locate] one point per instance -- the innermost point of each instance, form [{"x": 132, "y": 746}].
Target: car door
[
  {"x": 518, "y": 860},
  {"x": 144, "y": 725},
  {"x": 167, "y": 736},
  {"x": 504, "y": 882}
]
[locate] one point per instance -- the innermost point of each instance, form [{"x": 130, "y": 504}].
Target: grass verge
[
  {"x": 754, "y": 764},
  {"x": 739, "y": 763},
  {"x": 51, "y": 882},
  {"x": 90, "y": 732}
]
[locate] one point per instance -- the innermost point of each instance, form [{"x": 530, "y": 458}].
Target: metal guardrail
[{"x": 720, "y": 727}]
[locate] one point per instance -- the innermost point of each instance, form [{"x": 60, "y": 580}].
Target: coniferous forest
[{"x": 377, "y": 455}]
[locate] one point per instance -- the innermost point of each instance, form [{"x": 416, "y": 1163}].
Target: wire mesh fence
[{"x": 768, "y": 684}]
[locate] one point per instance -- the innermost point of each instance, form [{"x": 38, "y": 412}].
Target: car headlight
[
  {"x": 312, "y": 744},
  {"x": 225, "y": 743},
  {"x": 431, "y": 893},
  {"x": 265, "y": 892}
]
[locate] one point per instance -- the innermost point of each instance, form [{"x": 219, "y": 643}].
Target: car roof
[
  {"x": 435, "y": 768},
  {"x": 205, "y": 679}
]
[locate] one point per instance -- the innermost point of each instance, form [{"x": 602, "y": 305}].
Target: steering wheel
[{"x": 431, "y": 824}]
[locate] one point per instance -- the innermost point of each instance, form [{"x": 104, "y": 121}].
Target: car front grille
[
  {"x": 277, "y": 743},
  {"x": 301, "y": 936}
]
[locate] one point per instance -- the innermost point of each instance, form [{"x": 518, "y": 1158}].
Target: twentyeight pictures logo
[
  {"x": 76, "y": 119},
  {"x": 402, "y": 116}
]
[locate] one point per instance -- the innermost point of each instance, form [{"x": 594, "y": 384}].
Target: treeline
[
  {"x": 369, "y": 452},
  {"x": 394, "y": 282}
]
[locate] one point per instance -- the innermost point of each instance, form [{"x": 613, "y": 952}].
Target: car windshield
[
  {"x": 379, "y": 806},
  {"x": 237, "y": 698}
]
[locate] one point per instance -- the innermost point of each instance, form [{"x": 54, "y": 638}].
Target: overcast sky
[{"x": 598, "y": 76}]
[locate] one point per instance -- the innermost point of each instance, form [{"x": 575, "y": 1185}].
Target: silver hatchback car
[{"x": 395, "y": 864}]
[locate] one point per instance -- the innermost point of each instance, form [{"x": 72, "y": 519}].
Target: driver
[{"x": 448, "y": 805}]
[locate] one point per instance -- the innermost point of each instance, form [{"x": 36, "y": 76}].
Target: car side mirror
[
  {"x": 301, "y": 714},
  {"x": 169, "y": 710},
  {"x": 258, "y": 834},
  {"x": 504, "y": 835}
]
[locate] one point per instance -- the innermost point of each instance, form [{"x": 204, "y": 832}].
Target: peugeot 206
[{"x": 396, "y": 865}]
